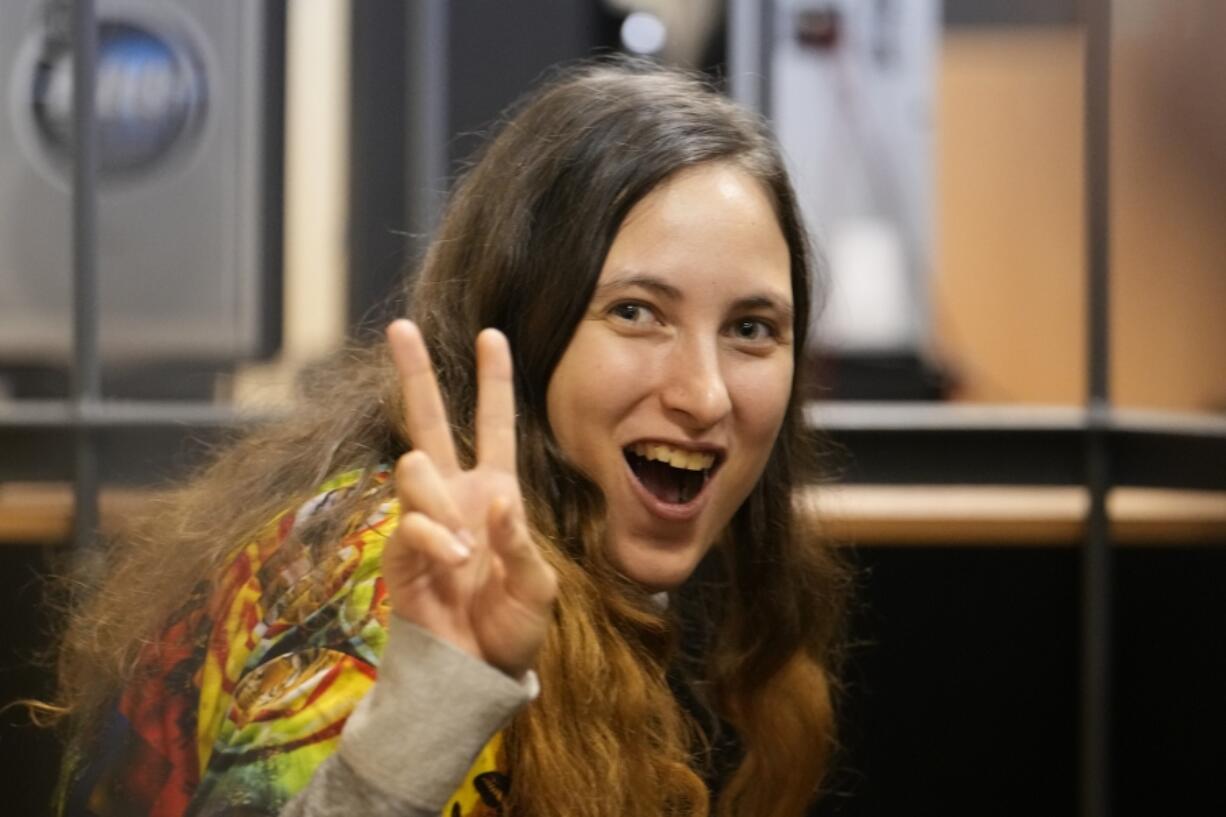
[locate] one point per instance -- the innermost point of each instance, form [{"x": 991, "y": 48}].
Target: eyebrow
[
  {"x": 648, "y": 282},
  {"x": 757, "y": 300},
  {"x": 765, "y": 302}
]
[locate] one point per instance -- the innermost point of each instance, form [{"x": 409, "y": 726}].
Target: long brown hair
[{"x": 520, "y": 248}]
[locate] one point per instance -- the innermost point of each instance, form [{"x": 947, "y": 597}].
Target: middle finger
[{"x": 495, "y": 402}]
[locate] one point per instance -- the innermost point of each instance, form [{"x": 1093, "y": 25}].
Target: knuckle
[
  {"x": 413, "y": 529},
  {"x": 404, "y": 528},
  {"x": 409, "y": 464}
]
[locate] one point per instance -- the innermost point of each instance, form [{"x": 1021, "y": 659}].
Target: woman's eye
[
  {"x": 752, "y": 329},
  {"x": 631, "y": 312}
]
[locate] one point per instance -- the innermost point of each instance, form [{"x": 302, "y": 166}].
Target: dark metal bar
[
  {"x": 750, "y": 29},
  {"x": 427, "y": 88},
  {"x": 766, "y": 50},
  {"x": 87, "y": 379},
  {"x": 1096, "y": 562},
  {"x": 135, "y": 414},
  {"x": 1097, "y": 570},
  {"x": 884, "y": 443}
]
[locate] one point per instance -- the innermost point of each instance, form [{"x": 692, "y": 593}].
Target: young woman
[{"x": 472, "y": 576}]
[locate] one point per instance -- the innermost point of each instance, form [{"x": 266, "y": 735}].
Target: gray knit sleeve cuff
[{"x": 431, "y": 710}]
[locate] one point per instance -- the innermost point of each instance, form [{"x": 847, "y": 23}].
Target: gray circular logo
[{"x": 150, "y": 97}]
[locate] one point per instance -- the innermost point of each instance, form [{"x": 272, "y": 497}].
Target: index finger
[
  {"x": 495, "y": 402},
  {"x": 425, "y": 414}
]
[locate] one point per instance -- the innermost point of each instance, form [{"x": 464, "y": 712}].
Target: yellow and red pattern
[{"x": 250, "y": 685}]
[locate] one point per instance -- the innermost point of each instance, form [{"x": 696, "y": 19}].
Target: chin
[{"x": 655, "y": 567}]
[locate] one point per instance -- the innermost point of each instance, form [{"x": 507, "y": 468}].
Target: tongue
[{"x": 666, "y": 483}]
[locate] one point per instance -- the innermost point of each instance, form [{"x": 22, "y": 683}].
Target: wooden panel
[
  {"x": 1030, "y": 516},
  {"x": 1010, "y": 250},
  {"x": 1010, "y": 261}
]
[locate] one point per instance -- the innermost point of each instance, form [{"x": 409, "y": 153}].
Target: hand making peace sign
[{"x": 461, "y": 563}]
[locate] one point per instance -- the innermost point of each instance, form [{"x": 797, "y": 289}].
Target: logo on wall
[
  {"x": 188, "y": 131},
  {"x": 151, "y": 95},
  {"x": 150, "y": 98}
]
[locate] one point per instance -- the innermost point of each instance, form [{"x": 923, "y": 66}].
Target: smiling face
[{"x": 676, "y": 381}]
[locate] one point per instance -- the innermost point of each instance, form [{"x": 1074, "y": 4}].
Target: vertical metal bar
[
  {"x": 766, "y": 46},
  {"x": 750, "y": 40},
  {"x": 86, "y": 380},
  {"x": 427, "y": 88},
  {"x": 1097, "y": 564}
]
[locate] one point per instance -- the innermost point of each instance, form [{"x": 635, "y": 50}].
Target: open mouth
[{"x": 672, "y": 475}]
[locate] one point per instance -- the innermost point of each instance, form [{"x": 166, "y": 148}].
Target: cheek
[
  {"x": 760, "y": 395},
  {"x": 586, "y": 393},
  {"x": 595, "y": 374}
]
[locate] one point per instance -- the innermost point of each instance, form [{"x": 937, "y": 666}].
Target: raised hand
[{"x": 461, "y": 563}]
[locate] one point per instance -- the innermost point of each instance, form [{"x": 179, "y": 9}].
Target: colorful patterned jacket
[{"x": 253, "y": 684}]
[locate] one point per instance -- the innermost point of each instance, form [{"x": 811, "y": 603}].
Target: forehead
[{"x": 711, "y": 226}]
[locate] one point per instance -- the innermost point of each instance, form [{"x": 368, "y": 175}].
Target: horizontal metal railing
[{"x": 887, "y": 443}]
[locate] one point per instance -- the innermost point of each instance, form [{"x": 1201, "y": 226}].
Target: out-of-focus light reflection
[{"x": 643, "y": 33}]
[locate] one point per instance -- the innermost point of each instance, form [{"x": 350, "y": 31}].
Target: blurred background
[{"x": 268, "y": 170}]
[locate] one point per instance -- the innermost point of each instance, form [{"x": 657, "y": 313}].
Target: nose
[{"x": 694, "y": 390}]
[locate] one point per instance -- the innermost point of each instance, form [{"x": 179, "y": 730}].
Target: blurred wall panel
[
  {"x": 317, "y": 203},
  {"x": 316, "y": 182},
  {"x": 189, "y": 110},
  {"x": 1169, "y": 178},
  {"x": 376, "y": 242},
  {"x": 1011, "y": 245},
  {"x": 495, "y": 52}
]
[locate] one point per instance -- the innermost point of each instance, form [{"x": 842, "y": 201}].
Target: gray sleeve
[
  {"x": 410, "y": 741},
  {"x": 336, "y": 790}
]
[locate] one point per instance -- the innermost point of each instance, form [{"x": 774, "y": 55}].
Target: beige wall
[
  {"x": 316, "y": 199},
  {"x": 1011, "y": 253}
]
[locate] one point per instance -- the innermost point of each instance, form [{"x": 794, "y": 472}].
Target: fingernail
[
  {"x": 501, "y": 507},
  {"x": 462, "y": 543}
]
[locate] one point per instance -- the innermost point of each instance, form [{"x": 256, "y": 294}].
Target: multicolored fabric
[{"x": 252, "y": 684}]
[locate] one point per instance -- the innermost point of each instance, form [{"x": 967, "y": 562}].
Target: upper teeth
[{"x": 676, "y": 457}]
